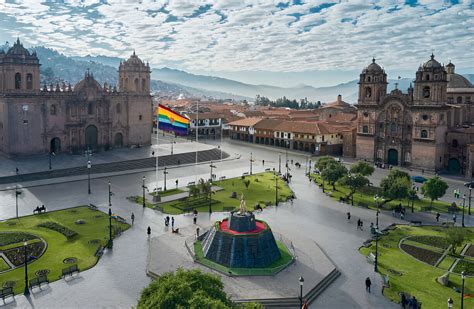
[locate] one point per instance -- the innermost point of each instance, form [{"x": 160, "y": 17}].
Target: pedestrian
[
  {"x": 454, "y": 218},
  {"x": 195, "y": 217},
  {"x": 348, "y": 216},
  {"x": 437, "y": 216},
  {"x": 358, "y": 223},
  {"x": 176, "y": 183},
  {"x": 450, "y": 303},
  {"x": 197, "y": 232},
  {"x": 291, "y": 161},
  {"x": 172, "y": 222},
  {"x": 167, "y": 220},
  {"x": 148, "y": 231},
  {"x": 368, "y": 283},
  {"x": 361, "y": 225},
  {"x": 133, "y": 218},
  {"x": 402, "y": 216},
  {"x": 263, "y": 162},
  {"x": 403, "y": 300}
]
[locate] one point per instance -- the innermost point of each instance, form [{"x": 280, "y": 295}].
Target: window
[
  {"x": 424, "y": 117},
  {"x": 136, "y": 85},
  {"x": 322, "y": 138},
  {"x": 368, "y": 92},
  {"x": 393, "y": 128},
  {"x": 365, "y": 129},
  {"x": 52, "y": 109},
  {"x": 140, "y": 117},
  {"x": 29, "y": 81},
  {"x": 143, "y": 85},
  {"x": 25, "y": 121},
  {"x": 366, "y": 114},
  {"x": 381, "y": 125},
  {"x": 427, "y": 77},
  {"x": 459, "y": 100},
  {"x": 424, "y": 134},
  {"x": 17, "y": 81},
  {"x": 90, "y": 109},
  {"x": 118, "y": 108},
  {"x": 454, "y": 143},
  {"x": 368, "y": 78},
  {"x": 426, "y": 92}
]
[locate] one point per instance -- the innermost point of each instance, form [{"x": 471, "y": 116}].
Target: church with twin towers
[{"x": 36, "y": 119}]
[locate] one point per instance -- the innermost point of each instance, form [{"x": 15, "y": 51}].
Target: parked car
[
  {"x": 469, "y": 184},
  {"x": 419, "y": 179}
]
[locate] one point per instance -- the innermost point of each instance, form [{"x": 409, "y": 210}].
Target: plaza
[{"x": 121, "y": 273}]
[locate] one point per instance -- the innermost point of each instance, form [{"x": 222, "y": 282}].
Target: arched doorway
[
  {"x": 55, "y": 145},
  {"x": 118, "y": 141},
  {"x": 454, "y": 167},
  {"x": 392, "y": 157},
  {"x": 92, "y": 137}
]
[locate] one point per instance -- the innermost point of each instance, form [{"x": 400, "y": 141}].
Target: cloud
[{"x": 236, "y": 35}]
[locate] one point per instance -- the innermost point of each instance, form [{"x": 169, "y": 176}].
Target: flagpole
[
  {"x": 197, "y": 140},
  {"x": 157, "y": 196}
]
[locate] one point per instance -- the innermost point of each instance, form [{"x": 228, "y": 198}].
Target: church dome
[
  {"x": 458, "y": 81},
  {"x": 134, "y": 60},
  {"x": 88, "y": 82},
  {"x": 373, "y": 68},
  {"x": 431, "y": 64},
  {"x": 18, "y": 49}
]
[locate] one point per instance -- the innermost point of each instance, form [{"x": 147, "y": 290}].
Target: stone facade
[
  {"x": 411, "y": 129},
  {"x": 61, "y": 118}
]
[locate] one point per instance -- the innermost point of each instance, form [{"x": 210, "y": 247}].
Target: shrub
[
  {"x": 58, "y": 228},
  {"x": 12, "y": 238}
]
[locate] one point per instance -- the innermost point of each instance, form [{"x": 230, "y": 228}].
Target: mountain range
[{"x": 173, "y": 83}]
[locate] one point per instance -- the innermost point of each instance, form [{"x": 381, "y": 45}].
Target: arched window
[
  {"x": 118, "y": 108},
  {"x": 426, "y": 92},
  {"x": 454, "y": 143},
  {"x": 29, "y": 81},
  {"x": 424, "y": 134},
  {"x": 17, "y": 81},
  {"x": 143, "y": 85},
  {"x": 125, "y": 87},
  {"x": 368, "y": 78},
  {"x": 459, "y": 100},
  {"x": 365, "y": 129},
  {"x": 393, "y": 128},
  {"x": 90, "y": 109},
  {"x": 368, "y": 92},
  {"x": 52, "y": 109},
  {"x": 136, "y": 85},
  {"x": 427, "y": 77}
]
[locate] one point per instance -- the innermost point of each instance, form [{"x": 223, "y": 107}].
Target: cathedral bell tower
[
  {"x": 430, "y": 84},
  {"x": 134, "y": 76},
  {"x": 372, "y": 84}
]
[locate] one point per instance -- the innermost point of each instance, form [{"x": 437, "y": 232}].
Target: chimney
[{"x": 339, "y": 98}]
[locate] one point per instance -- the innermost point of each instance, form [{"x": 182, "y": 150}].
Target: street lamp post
[
  {"x": 110, "y": 243},
  {"x": 17, "y": 193},
  {"x": 376, "y": 249},
  {"x": 110, "y": 196},
  {"x": 463, "y": 277},
  {"x": 276, "y": 190},
  {"x": 165, "y": 172},
  {"x": 51, "y": 154},
  {"x": 251, "y": 160},
  {"x": 301, "y": 280},
  {"x": 27, "y": 291},
  {"x": 143, "y": 188},
  {"x": 463, "y": 204},
  {"x": 279, "y": 163},
  {"x": 309, "y": 169},
  {"x": 377, "y": 218},
  {"x": 89, "y": 165},
  {"x": 286, "y": 149},
  {"x": 470, "y": 191},
  {"x": 212, "y": 167}
]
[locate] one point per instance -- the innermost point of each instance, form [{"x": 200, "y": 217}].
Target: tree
[
  {"x": 395, "y": 188},
  {"x": 205, "y": 188},
  {"x": 455, "y": 236},
  {"x": 434, "y": 188},
  {"x": 333, "y": 172},
  {"x": 412, "y": 196},
  {"x": 194, "y": 191},
  {"x": 354, "y": 182},
  {"x": 395, "y": 173},
  {"x": 323, "y": 162},
  {"x": 185, "y": 289},
  {"x": 363, "y": 168}
]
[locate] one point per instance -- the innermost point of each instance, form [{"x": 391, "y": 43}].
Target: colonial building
[
  {"x": 61, "y": 118},
  {"x": 414, "y": 128}
]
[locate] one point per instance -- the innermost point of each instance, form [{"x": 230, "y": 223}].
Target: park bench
[
  {"x": 38, "y": 282},
  {"x": 245, "y": 174},
  {"x": 121, "y": 219},
  {"x": 70, "y": 271},
  {"x": 371, "y": 258},
  {"x": 191, "y": 183},
  {"x": 415, "y": 222},
  {"x": 93, "y": 207},
  {"x": 99, "y": 251},
  {"x": 5, "y": 293},
  {"x": 267, "y": 169}
]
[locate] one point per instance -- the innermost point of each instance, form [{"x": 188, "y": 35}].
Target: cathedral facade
[
  {"x": 37, "y": 119},
  {"x": 421, "y": 128}
]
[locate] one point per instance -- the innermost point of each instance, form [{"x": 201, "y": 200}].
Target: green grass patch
[
  {"x": 261, "y": 190},
  {"x": 275, "y": 267},
  {"x": 446, "y": 263},
  {"x": 11, "y": 238},
  {"x": 3, "y": 265},
  {"x": 90, "y": 235},
  {"x": 366, "y": 196},
  {"x": 418, "y": 278},
  {"x": 168, "y": 192},
  {"x": 467, "y": 267}
]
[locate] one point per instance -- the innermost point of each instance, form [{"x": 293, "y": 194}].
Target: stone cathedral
[
  {"x": 61, "y": 118},
  {"x": 430, "y": 127}
]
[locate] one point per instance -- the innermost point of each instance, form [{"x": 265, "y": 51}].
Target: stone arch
[
  {"x": 92, "y": 137},
  {"x": 392, "y": 157},
  {"x": 368, "y": 92},
  {"x": 136, "y": 85},
  {"x": 29, "y": 81},
  {"x": 126, "y": 84},
  {"x": 424, "y": 134},
  {"x": 426, "y": 92},
  {"x": 365, "y": 129},
  {"x": 55, "y": 145},
  {"x": 454, "y": 166},
  {"x": 143, "y": 84},
  {"x": 18, "y": 81},
  {"x": 118, "y": 140}
]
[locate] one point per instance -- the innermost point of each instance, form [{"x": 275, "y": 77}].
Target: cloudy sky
[{"x": 267, "y": 42}]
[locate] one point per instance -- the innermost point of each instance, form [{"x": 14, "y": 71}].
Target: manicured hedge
[
  {"x": 421, "y": 254},
  {"x": 435, "y": 241},
  {"x": 12, "y": 238},
  {"x": 58, "y": 228}
]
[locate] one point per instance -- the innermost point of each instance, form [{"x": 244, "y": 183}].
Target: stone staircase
[{"x": 145, "y": 163}]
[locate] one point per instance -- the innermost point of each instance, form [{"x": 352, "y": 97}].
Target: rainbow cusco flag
[{"x": 169, "y": 120}]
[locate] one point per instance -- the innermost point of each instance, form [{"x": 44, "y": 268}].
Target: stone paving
[{"x": 118, "y": 278}]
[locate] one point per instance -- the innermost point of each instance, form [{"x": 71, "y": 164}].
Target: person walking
[
  {"x": 195, "y": 213},
  {"x": 172, "y": 222},
  {"x": 197, "y": 232},
  {"x": 437, "y": 216},
  {"x": 176, "y": 183},
  {"x": 368, "y": 283},
  {"x": 132, "y": 217},
  {"x": 148, "y": 231},
  {"x": 348, "y": 216},
  {"x": 167, "y": 220},
  {"x": 358, "y": 223},
  {"x": 454, "y": 218},
  {"x": 263, "y": 162}
]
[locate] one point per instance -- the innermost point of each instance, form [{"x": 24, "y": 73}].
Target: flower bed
[
  {"x": 470, "y": 251},
  {"x": 439, "y": 242},
  {"x": 12, "y": 238},
  {"x": 423, "y": 255},
  {"x": 17, "y": 256},
  {"x": 465, "y": 266},
  {"x": 58, "y": 228}
]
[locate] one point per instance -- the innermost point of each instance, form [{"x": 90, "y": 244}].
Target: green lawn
[
  {"x": 168, "y": 192},
  {"x": 272, "y": 269},
  {"x": 366, "y": 196},
  {"x": 58, "y": 246},
  {"x": 447, "y": 262},
  {"x": 418, "y": 278},
  {"x": 261, "y": 190},
  {"x": 3, "y": 265}
]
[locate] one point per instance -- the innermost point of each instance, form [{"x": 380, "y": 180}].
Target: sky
[{"x": 283, "y": 43}]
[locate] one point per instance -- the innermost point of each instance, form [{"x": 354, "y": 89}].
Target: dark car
[
  {"x": 419, "y": 179},
  {"x": 469, "y": 184}
]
